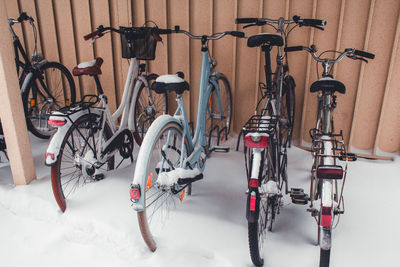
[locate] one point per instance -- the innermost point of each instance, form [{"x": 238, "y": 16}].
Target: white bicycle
[{"x": 88, "y": 136}]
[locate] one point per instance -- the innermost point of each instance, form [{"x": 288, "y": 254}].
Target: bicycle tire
[
  {"x": 324, "y": 257},
  {"x": 60, "y": 84},
  {"x": 145, "y": 114},
  {"x": 64, "y": 184},
  {"x": 151, "y": 219},
  {"x": 218, "y": 127},
  {"x": 288, "y": 110},
  {"x": 254, "y": 240}
]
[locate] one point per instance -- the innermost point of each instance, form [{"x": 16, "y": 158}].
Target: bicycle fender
[
  {"x": 53, "y": 150},
  {"x": 27, "y": 81},
  {"x": 253, "y": 205},
  {"x": 139, "y": 177}
]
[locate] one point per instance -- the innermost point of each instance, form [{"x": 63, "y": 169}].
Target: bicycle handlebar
[
  {"x": 316, "y": 23},
  {"x": 350, "y": 52},
  {"x": 23, "y": 16}
]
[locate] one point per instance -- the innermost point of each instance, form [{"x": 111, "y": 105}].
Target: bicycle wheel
[
  {"x": 163, "y": 155},
  {"x": 148, "y": 106},
  {"x": 324, "y": 257},
  {"x": 287, "y": 110},
  {"x": 218, "y": 122},
  {"x": 77, "y": 164},
  {"x": 257, "y": 232},
  {"x": 51, "y": 88}
]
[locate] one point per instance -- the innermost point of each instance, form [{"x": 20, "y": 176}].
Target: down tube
[{"x": 203, "y": 97}]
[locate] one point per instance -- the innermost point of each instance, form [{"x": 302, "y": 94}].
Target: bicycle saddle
[
  {"x": 272, "y": 39},
  {"x": 170, "y": 82},
  {"x": 328, "y": 84},
  {"x": 88, "y": 68}
]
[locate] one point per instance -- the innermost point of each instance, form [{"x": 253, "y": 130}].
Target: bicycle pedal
[
  {"x": 298, "y": 196},
  {"x": 224, "y": 149},
  {"x": 98, "y": 177},
  {"x": 314, "y": 212},
  {"x": 348, "y": 157}
]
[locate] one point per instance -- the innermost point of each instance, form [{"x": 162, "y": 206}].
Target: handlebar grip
[
  {"x": 314, "y": 22},
  {"x": 237, "y": 34},
  {"x": 163, "y": 31},
  {"x": 246, "y": 20},
  {"x": 91, "y": 35},
  {"x": 364, "y": 54},
  {"x": 294, "y": 48}
]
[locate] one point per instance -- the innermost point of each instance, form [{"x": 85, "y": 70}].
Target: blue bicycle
[{"x": 170, "y": 159}]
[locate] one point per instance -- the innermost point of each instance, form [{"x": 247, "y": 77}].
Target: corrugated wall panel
[{"x": 367, "y": 113}]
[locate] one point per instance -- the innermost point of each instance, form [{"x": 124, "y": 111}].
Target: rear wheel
[
  {"x": 51, "y": 88},
  {"x": 324, "y": 258},
  {"x": 148, "y": 106},
  {"x": 77, "y": 164},
  {"x": 218, "y": 122},
  {"x": 163, "y": 155}
]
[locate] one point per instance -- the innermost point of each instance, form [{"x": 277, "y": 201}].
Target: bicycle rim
[
  {"x": 163, "y": 156},
  {"x": 75, "y": 165}
]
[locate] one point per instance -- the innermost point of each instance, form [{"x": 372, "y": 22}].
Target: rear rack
[
  {"x": 260, "y": 124},
  {"x": 87, "y": 102}
]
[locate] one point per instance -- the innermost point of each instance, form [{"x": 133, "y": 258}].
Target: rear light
[
  {"x": 51, "y": 155},
  {"x": 326, "y": 216},
  {"x": 135, "y": 191},
  {"x": 67, "y": 102},
  {"x": 253, "y": 183},
  {"x": 330, "y": 172},
  {"x": 253, "y": 201},
  {"x": 57, "y": 122},
  {"x": 33, "y": 102},
  {"x": 256, "y": 141},
  {"x": 348, "y": 157}
]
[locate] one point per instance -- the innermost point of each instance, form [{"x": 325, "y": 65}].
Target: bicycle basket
[{"x": 138, "y": 43}]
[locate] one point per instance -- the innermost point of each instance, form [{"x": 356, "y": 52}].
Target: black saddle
[
  {"x": 170, "y": 82},
  {"x": 265, "y": 38},
  {"x": 330, "y": 85}
]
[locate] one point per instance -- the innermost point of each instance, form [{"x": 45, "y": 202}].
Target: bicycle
[
  {"x": 88, "y": 135},
  {"x": 268, "y": 133},
  {"x": 326, "y": 200},
  {"x": 45, "y": 85},
  {"x": 170, "y": 159}
]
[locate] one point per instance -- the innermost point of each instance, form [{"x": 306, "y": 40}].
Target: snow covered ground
[{"x": 209, "y": 228}]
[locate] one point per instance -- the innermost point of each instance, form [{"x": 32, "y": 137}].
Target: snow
[
  {"x": 170, "y": 78},
  {"x": 171, "y": 177},
  {"x": 99, "y": 227}
]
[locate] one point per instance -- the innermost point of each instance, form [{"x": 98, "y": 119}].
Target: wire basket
[{"x": 138, "y": 43}]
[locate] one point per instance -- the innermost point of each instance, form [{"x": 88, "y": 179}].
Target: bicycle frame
[{"x": 126, "y": 110}]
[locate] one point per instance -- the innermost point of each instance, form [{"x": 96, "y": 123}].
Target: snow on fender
[{"x": 139, "y": 177}]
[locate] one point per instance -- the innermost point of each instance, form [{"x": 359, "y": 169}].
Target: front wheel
[
  {"x": 51, "y": 88},
  {"x": 161, "y": 156},
  {"x": 77, "y": 162},
  {"x": 219, "y": 118}
]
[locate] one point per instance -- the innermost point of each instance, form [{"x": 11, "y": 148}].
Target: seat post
[
  {"x": 267, "y": 67},
  {"x": 98, "y": 85}
]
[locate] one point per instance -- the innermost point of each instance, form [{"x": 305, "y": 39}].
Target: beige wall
[{"x": 368, "y": 113}]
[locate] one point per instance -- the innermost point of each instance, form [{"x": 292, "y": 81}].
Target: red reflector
[
  {"x": 50, "y": 154},
  {"x": 135, "y": 193},
  {"x": 326, "y": 216},
  {"x": 253, "y": 203},
  {"x": 253, "y": 183},
  {"x": 57, "y": 122},
  {"x": 330, "y": 172},
  {"x": 262, "y": 143}
]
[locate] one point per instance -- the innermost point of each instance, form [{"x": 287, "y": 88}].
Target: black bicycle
[
  {"x": 45, "y": 85},
  {"x": 268, "y": 133}
]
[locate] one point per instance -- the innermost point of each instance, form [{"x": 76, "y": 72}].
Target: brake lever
[
  {"x": 249, "y": 25},
  {"x": 357, "y": 58},
  {"x": 318, "y": 27}
]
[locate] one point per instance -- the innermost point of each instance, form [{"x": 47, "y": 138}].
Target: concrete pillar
[{"x": 11, "y": 110}]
